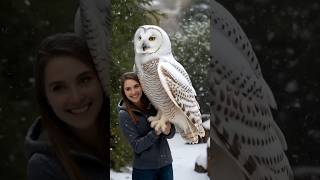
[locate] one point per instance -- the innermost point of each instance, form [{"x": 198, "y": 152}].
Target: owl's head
[{"x": 150, "y": 39}]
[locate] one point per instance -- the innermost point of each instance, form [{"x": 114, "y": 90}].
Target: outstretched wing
[
  {"x": 180, "y": 90},
  {"x": 240, "y": 102},
  {"x": 92, "y": 21}
]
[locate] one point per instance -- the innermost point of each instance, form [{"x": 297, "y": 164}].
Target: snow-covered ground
[{"x": 184, "y": 158}]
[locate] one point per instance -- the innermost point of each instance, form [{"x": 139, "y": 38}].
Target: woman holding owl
[{"x": 152, "y": 155}]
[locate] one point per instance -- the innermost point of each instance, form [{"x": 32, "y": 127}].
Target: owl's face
[
  {"x": 150, "y": 39},
  {"x": 147, "y": 40}
]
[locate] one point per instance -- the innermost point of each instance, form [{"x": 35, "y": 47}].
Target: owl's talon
[
  {"x": 153, "y": 124},
  {"x": 158, "y": 125},
  {"x": 152, "y": 118},
  {"x": 157, "y": 128},
  {"x": 163, "y": 128},
  {"x": 161, "y": 125}
]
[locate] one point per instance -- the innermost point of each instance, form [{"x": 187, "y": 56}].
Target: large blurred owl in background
[
  {"x": 166, "y": 83},
  {"x": 246, "y": 143},
  {"x": 92, "y": 22}
]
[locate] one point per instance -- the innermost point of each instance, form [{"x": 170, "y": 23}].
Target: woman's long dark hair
[
  {"x": 129, "y": 105},
  {"x": 67, "y": 44}
]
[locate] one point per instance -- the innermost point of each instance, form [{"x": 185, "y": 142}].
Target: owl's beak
[{"x": 144, "y": 46}]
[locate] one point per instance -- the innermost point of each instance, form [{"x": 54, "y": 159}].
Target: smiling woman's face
[
  {"x": 73, "y": 91},
  {"x": 133, "y": 91}
]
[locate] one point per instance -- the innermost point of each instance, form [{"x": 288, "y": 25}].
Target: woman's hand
[
  {"x": 157, "y": 132},
  {"x": 168, "y": 128}
]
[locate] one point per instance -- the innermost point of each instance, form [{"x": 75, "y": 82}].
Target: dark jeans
[{"x": 164, "y": 173}]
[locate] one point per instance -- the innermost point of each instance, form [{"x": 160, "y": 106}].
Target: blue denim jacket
[{"x": 150, "y": 150}]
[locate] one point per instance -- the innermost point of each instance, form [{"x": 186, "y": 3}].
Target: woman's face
[
  {"x": 73, "y": 91},
  {"x": 132, "y": 90}
]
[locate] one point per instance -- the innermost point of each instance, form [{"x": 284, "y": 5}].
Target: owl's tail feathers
[
  {"x": 197, "y": 122},
  {"x": 189, "y": 137},
  {"x": 201, "y": 130},
  {"x": 192, "y": 132}
]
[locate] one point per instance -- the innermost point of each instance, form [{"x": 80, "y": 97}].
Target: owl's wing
[
  {"x": 240, "y": 102},
  {"x": 91, "y": 22},
  {"x": 181, "y": 69},
  {"x": 180, "y": 90}
]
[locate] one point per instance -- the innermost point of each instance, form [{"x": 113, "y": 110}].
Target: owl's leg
[
  {"x": 155, "y": 118},
  {"x": 159, "y": 124}
]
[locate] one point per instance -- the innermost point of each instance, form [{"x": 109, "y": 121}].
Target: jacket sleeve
[
  {"x": 172, "y": 132},
  {"x": 41, "y": 166},
  {"x": 139, "y": 144}
]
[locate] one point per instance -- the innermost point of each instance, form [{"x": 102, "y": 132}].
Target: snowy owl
[
  {"x": 166, "y": 83},
  {"x": 91, "y": 22},
  {"x": 246, "y": 143}
]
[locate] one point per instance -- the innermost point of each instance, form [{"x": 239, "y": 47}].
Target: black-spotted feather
[
  {"x": 240, "y": 101},
  {"x": 181, "y": 93},
  {"x": 92, "y": 21}
]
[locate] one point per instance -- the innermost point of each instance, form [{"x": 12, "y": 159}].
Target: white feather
[{"x": 245, "y": 135}]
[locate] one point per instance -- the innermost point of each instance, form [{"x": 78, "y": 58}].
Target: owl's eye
[
  {"x": 139, "y": 37},
  {"x": 152, "y": 38}
]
